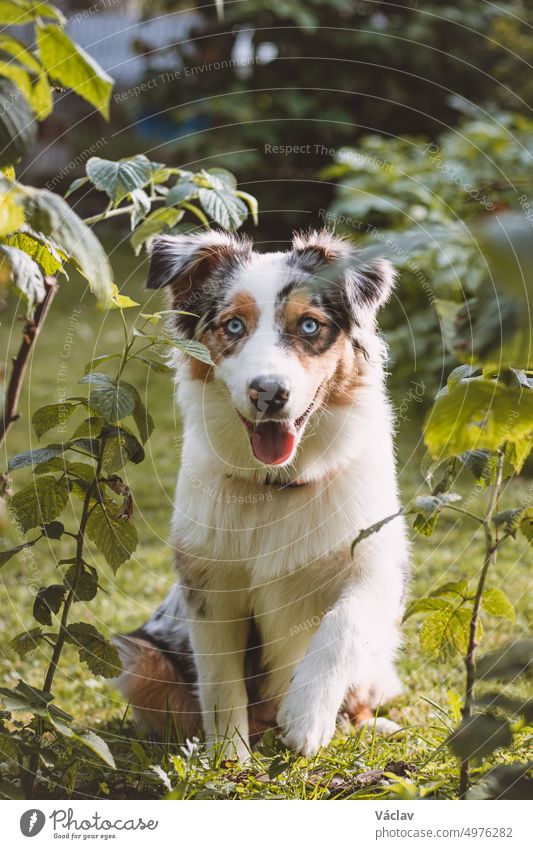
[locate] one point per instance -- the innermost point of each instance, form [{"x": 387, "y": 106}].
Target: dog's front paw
[{"x": 306, "y": 726}]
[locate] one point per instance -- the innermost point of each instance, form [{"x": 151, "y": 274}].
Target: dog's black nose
[{"x": 269, "y": 394}]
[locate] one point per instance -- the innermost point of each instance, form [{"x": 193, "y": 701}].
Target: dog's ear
[
  {"x": 186, "y": 262},
  {"x": 366, "y": 286}
]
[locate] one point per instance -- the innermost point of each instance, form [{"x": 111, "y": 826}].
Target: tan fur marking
[
  {"x": 357, "y": 710},
  {"x": 159, "y": 695},
  {"x": 242, "y": 306}
]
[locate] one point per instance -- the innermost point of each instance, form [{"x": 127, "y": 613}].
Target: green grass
[{"x": 354, "y": 764}]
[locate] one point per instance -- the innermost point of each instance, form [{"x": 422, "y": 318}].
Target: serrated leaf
[
  {"x": 479, "y": 736},
  {"x": 83, "y": 580},
  {"x": 113, "y": 401},
  {"x": 118, "y": 179},
  {"x": 20, "y": 270},
  {"x": 445, "y": 632},
  {"x": 44, "y": 251},
  {"x": 71, "y": 66},
  {"x": 223, "y": 207},
  {"x": 184, "y": 189},
  {"x": 50, "y": 214},
  {"x": 51, "y": 416},
  {"x": 26, "y": 642},
  {"x": 495, "y": 602},
  {"x": 97, "y": 745},
  {"x": 17, "y": 125},
  {"x": 100, "y": 655},
  {"x": 33, "y": 458},
  {"x": 90, "y": 428},
  {"x": 115, "y": 538},
  {"x": 426, "y": 605},
  {"x": 41, "y": 501},
  {"x": 47, "y": 601},
  {"x": 192, "y": 348}
]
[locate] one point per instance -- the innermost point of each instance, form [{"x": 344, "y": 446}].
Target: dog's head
[{"x": 285, "y": 330}]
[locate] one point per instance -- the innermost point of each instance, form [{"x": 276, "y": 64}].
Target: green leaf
[
  {"x": 26, "y": 642},
  {"x": 112, "y": 401},
  {"x": 75, "y": 185},
  {"x": 17, "y": 125},
  {"x": 192, "y": 348},
  {"x": 115, "y": 538},
  {"x": 445, "y": 632},
  {"x": 478, "y": 414},
  {"x": 53, "y": 530},
  {"x": 45, "y": 252},
  {"x": 11, "y": 215},
  {"x": 7, "y": 554},
  {"x": 25, "y": 11},
  {"x": 223, "y": 207},
  {"x": 426, "y": 605},
  {"x": 505, "y": 782},
  {"x": 100, "y": 655},
  {"x": 67, "y": 63},
  {"x": 526, "y": 527},
  {"x": 91, "y": 427},
  {"x": 51, "y": 416},
  {"x": 143, "y": 420},
  {"x": 97, "y": 745},
  {"x": 98, "y": 378},
  {"x": 26, "y": 697},
  {"x": 32, "y": 458},
  {"x": 98, "y": 361},
  {"x": 159, "y": 221},
  {"x": 184, "y": 189},
  {"x": 40, "y": 501},
  {"x": 50, "y": 214},
  {"x": 23, "y": 273},
  {"x": 479, "y": 736},
  {"x": 119, "y": 179},
  {"x": 495, "y": 602},
  {"x": 47, "y": 601},
  {"x": 507, "y": 663},
  {"x": 459, "y": 588},
  {"x": 83, "y": 580}
]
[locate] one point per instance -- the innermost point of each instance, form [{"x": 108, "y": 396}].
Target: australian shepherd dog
[{"x": 287, "y": 455}]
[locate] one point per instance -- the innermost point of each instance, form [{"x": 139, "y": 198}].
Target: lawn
[{"x": 354, "y": 765}]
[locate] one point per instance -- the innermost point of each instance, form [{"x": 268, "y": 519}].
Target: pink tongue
[{"x": 273, "y": 442}]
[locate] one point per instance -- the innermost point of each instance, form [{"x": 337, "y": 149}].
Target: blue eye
[
  {"x": 235, "y": 327},
  {"x": 309, "y": 326}
]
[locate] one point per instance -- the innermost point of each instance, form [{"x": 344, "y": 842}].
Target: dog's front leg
[
  {"x": 308, "y": 713},
  {"x": 219, "y": 649}
]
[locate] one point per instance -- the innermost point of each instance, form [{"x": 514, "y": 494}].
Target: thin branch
[
  {"x": 491, "y": 547},
  {"x": 20, "y": 361}
]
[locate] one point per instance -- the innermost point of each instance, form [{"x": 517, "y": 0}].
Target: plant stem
[
  {"x": 491, "y": 546},
  {"x": 121, "y": 210},
  {"x": 20, "y": 361},
  {"x": 67, "y": 604}
]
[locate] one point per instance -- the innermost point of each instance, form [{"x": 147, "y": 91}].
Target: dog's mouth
[{"x": 273, "y": 440}]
